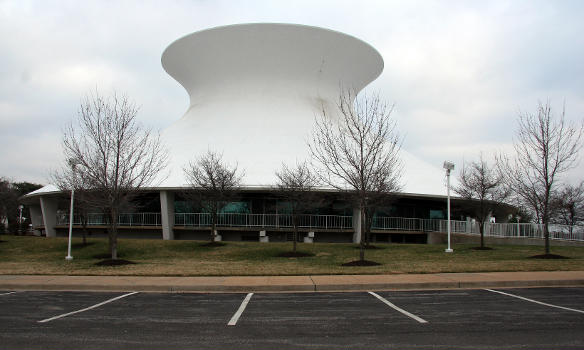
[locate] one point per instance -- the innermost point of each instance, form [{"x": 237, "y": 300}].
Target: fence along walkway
[
  {"x": 516, "y": 230},
  {"x": 525, "y": 230},
  {"x": 264, "y": 220}
]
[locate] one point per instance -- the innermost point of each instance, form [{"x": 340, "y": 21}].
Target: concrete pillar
[
  {"x": 49, "y": 209},
  {"x": 264, "y": 237},
  {"x": 167, "y": 214},
  {"x": 36, "y": 217},
  {"x": 356, "y": 225}
]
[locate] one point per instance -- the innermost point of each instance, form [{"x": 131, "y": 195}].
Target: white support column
[
  {"x": 49, "y": 209},
  {"x": 356, "y": 225},
  {"x": 167, "y": 214},
  {"x": 36, "y": 217},
  {"x": 264, "y": 238}
]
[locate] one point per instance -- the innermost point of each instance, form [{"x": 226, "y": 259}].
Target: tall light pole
[
  {"x": 448, "y": 166},
  {"x": 73, "y": 163},
  {"x": 518, "y": 231}
]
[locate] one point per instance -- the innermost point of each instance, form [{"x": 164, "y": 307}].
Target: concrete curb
[{"x": 275, "y": 284}]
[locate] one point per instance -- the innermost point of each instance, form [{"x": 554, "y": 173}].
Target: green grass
[{"x": 35, "y": 255}]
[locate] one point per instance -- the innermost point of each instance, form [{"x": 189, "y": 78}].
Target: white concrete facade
[
  {"x": 49, "y": 206},
  {"x": 255, "y": 90},
  {"x": 167, "y": 214}
]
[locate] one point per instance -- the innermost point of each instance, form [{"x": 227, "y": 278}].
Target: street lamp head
[{"x": 448, "y": 165}]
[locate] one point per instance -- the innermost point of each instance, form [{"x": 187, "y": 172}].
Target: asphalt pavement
[{"x": 487, "y": 318}]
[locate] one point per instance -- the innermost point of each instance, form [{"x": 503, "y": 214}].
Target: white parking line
[
  {"x": 535, "y": 301},
  {"x": 87, "y": 308},
  {"x": 237, "y": 314},
  {"x": 7, "y": 293},
  {"x": 421, "y": 320}
]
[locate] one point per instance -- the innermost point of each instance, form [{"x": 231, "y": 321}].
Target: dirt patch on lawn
[
  {"x": 114, "y": 262},
  {"x": 548, "y": 256},
  {"x": 105, "y": 256},
  {"x": 361, "y": 263}
]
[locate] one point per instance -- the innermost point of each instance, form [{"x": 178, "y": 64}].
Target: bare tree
[
  {"x": 10, "y": 193},
  {"x": 483, "y": 184},
  {"x": 213, "y": 182},
  {"x": 570, "y": 205},
  {"x": 114, "y": 154},
  {"x": 296, "y": 185},
  {"x": 545, "y": 147},
  {"x": 358, "y": 149},
  {"x": 8, "y": 204}
]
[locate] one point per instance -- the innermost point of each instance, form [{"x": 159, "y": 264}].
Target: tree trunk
[
  {"x": 84, "y": 233},
  {"x": 295, "y": 234},
  {"x": 482, "y": 232},
  {"x": 364, "y": 228},
  {"x": 213, "y": 221},
  {"x": 363, "y": 233},
  {"x": 84, "y": 228},
  {"x": 546, "y": 234},
  {"x": 113, "y": 233},
  {"x": 213, "y": 225}
]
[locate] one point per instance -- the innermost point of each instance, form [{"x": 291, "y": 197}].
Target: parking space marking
[
  {"x": 87, "y": 308},
  {"x": 239, "y": 311},
  {"x": 7, "y": 293},
  {"x": 419, "y": 319},
  {"x": 535, "y": 301}
]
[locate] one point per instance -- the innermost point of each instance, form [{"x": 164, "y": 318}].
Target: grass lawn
[{"x": 36, "y": 255}]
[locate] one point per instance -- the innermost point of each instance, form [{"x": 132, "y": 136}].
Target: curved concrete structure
[{"x": 255, "y": 90}]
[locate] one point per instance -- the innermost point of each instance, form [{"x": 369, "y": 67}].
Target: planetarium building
[{"x": 254, "y": 92}]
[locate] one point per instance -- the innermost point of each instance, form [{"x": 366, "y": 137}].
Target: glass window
[{"x": 436, "y": 214}]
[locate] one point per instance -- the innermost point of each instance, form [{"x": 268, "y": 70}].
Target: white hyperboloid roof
[{"x": 255, "y": 90}]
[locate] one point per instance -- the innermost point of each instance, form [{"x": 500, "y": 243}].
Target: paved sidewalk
[{"x": 242, "y": 284}]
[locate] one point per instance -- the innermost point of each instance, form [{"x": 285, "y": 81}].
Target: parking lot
[{"x": 533, "y": 318}]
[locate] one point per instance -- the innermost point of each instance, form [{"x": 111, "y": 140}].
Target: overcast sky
[{"x": 459, "y": 72}]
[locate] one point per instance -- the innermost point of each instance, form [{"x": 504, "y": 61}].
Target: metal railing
[
  {"x": 513, "y": 230},
  {"x": 124, "y": 219},
  {"x": 522, "y": 230},
  {"x": 528, "y": 230},
  {"x": 264, "y": 220}
]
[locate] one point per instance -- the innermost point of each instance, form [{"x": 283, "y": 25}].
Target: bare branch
[
  {"x": 358, "y": 149},
  {"x": 484, "y": 184},
  {"x": 568, "y": 207},
  {"x": 545, "y": 148},
  {"x": 113, "y": 155},
  {"x": 213, "y": 181}
]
